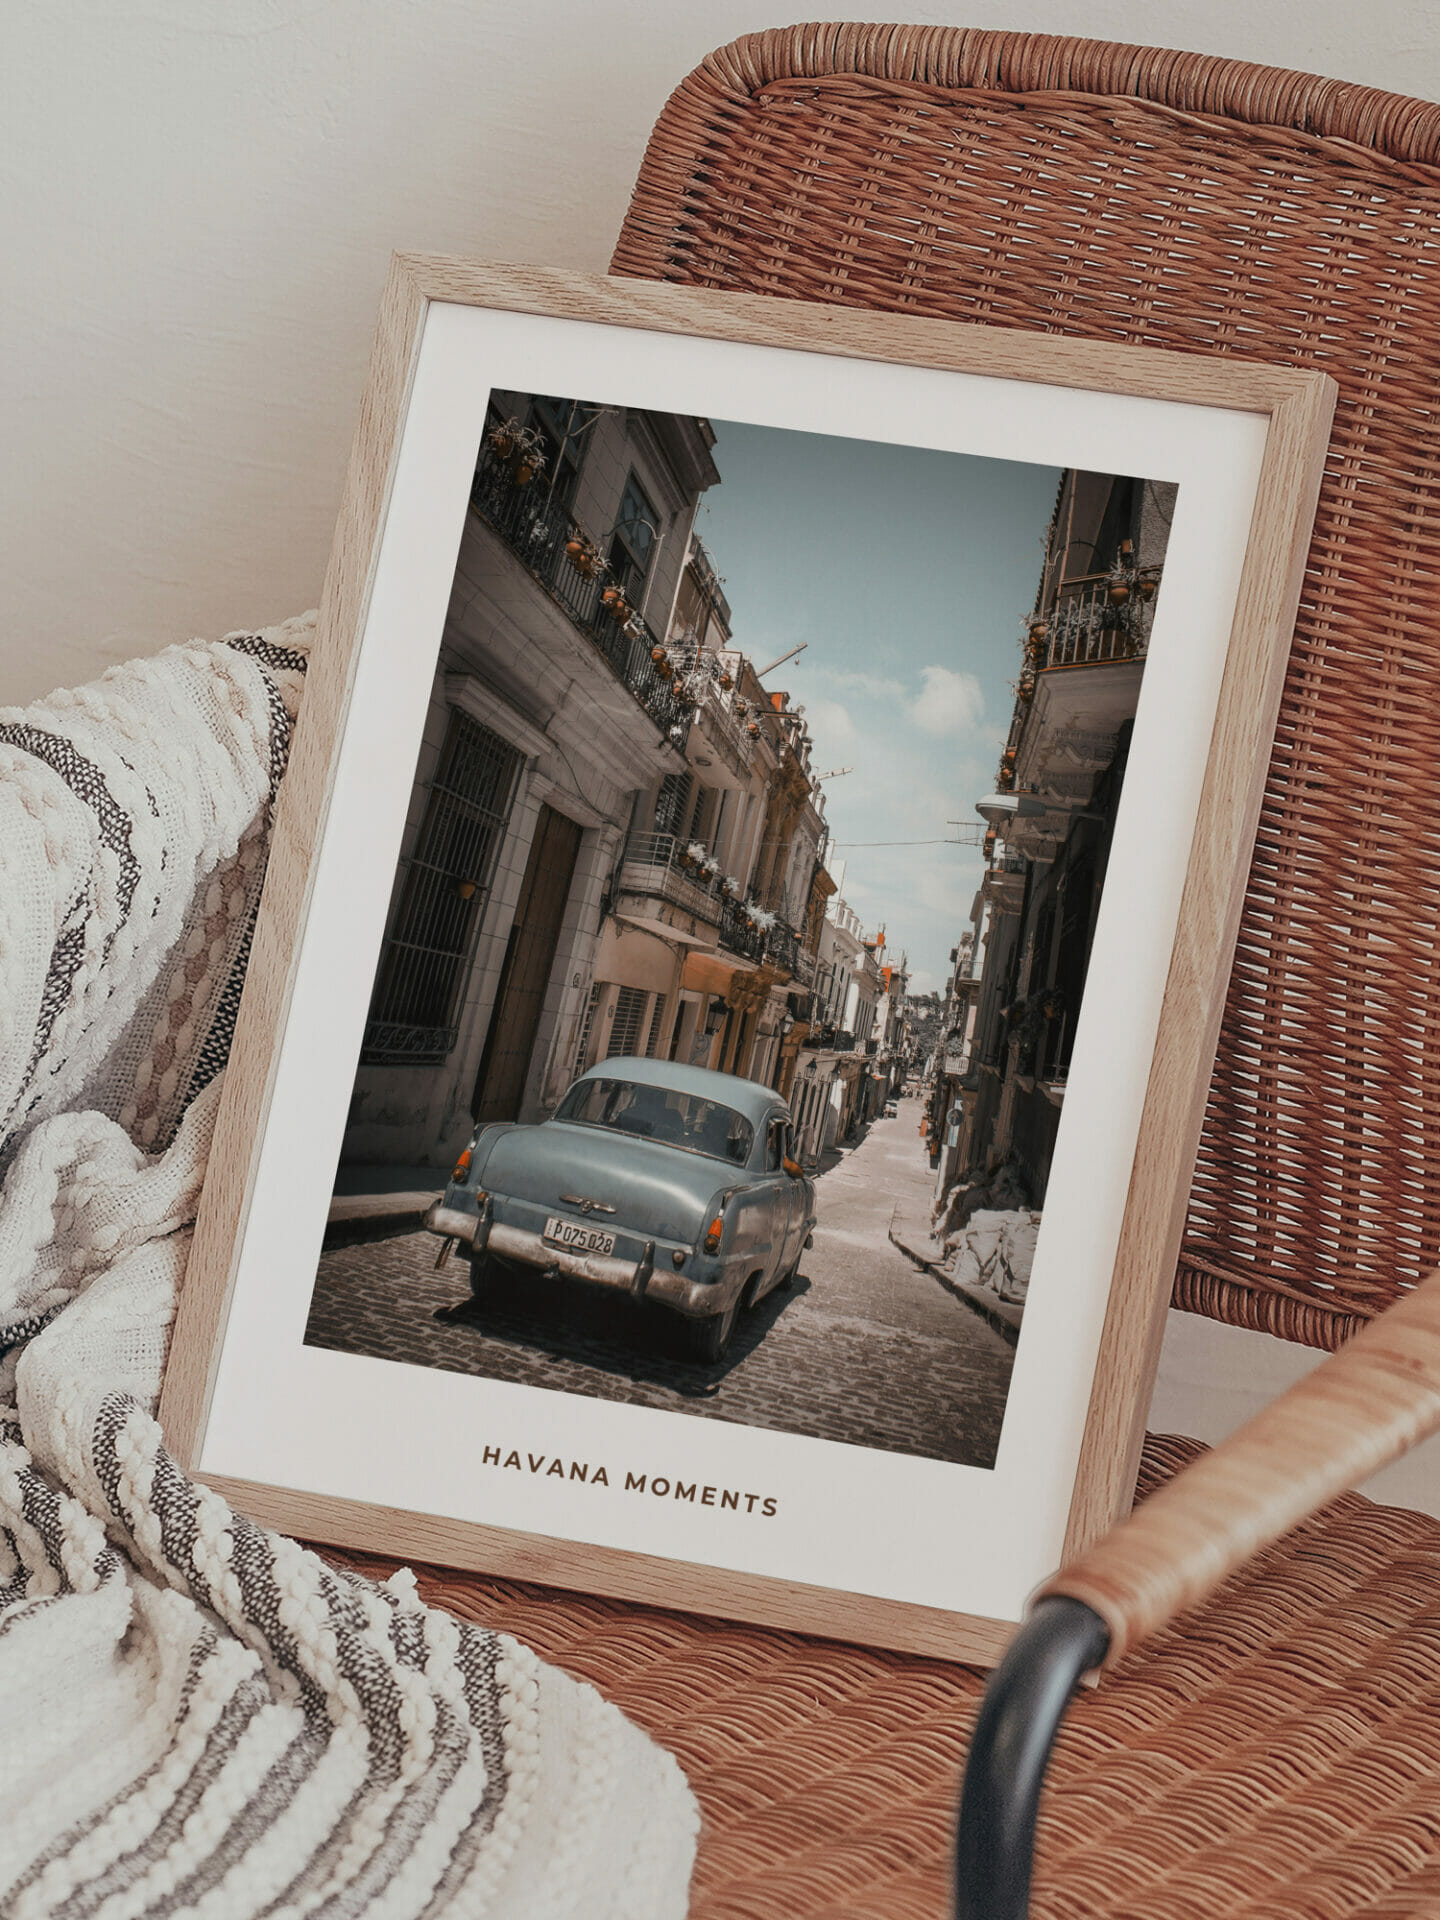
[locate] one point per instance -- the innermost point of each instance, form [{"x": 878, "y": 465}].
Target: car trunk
[{"x": 658, "y": 1192}]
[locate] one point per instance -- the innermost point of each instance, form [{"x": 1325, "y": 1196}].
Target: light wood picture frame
[{"x": 1252, "y": 441}]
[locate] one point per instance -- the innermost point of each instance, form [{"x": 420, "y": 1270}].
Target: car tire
[
  {"x": 467, "y": 1312},
  {"x": 482, "y": 1276},
  {"x": 707, "y": 1340}
]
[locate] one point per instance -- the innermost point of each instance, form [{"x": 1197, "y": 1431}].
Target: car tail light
[
  {"x": 713, "y": 1233},
  {"x": 462, "y": 1167}
]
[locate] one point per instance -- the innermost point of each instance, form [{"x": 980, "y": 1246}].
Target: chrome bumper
[{"x": 698, "y": 1299}]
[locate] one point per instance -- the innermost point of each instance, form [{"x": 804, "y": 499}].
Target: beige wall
[{"x": 200, "y": 202}]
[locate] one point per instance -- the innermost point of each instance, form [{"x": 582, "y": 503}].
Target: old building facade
[
  {"x": 547, "y": 711},
  {"x": 708, "y": 945},
  {"x": 1014, "y": 999},
  {"x": 615, "y": 841}
]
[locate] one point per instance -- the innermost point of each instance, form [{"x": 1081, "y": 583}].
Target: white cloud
[
  {"x": 949, "y": 702},
  {"x": 830, "y": 724},
  {"x": 874, "y": 686}
]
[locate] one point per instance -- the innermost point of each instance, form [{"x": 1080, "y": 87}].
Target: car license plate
[{"x": 565, "y": 1233}]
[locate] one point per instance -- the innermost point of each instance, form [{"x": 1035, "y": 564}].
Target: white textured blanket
[{"x": 197, "y": 1716}]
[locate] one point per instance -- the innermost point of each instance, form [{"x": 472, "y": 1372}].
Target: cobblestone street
[{"x": 865, "y": 1347}]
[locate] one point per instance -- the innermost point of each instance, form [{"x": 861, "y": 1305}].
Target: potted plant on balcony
[
  {"x": 521, "y": 447},
  {"x": 616, "y": 605},
  {"x": 585, "y": 556},
  {"x": 503, "y": 439}
]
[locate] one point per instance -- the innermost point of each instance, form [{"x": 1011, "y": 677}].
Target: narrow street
[{"x": 865, "y": 1347}]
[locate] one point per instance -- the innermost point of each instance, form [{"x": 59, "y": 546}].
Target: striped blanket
[{"x": 197, "y": 1716}]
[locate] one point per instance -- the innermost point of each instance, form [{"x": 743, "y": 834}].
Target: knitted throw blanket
[{"x": 197, "y": 1716}]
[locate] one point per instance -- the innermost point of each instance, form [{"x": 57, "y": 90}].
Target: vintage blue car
[{"x": 666, "y": 1182}]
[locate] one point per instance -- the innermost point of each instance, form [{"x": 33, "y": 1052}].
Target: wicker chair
[{"x": 1276, "y": 1751}]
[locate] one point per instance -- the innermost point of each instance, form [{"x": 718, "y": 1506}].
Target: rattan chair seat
[{"x": 1277, "y": 1756}]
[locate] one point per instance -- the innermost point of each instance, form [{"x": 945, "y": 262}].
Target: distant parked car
[
  {"x": 666, "y": 1182},
  {"x": 891, "y": 1109}
]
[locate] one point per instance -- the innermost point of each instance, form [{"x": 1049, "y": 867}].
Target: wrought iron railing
[
  {"x": 738, "y": 933},
  {"x": 782, "y": 947},
  {"x": 537, "y": 532},
  {"x": 718, "y": 705},
  {"x": 828, "y": 1039},
  {"x": 658, "y": 865},
  {"x": 1087, "y": 624}
]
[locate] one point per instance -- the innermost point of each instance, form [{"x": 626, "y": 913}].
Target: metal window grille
[
  {"x": 446, "y": 884},
  {"x": 672, "y": 803},
  {"x": 585, "y": 1025},
  {"x": 625, "y": 1027},
  {"x": 652, "y": 1040}
]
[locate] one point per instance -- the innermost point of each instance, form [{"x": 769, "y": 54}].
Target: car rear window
[{"x": 659, "y": 1113}]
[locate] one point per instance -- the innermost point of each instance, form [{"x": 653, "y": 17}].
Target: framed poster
[{"x": 713, "y": 1102}]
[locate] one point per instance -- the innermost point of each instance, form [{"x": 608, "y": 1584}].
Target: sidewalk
[
  {"x": 372, "y": 1203},
  {"x": 910, "y": 1232}
]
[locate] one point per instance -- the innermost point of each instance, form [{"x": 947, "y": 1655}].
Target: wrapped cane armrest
[{"x": 1364, "y": 1407}]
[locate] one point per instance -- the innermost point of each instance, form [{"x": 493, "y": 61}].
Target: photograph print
[{"x": 720, "y": 1036}]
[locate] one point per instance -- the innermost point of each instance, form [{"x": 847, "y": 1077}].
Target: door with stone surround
[{"x": 525, "y": 973}]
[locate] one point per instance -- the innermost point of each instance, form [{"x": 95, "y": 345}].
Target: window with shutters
[
  {"x": 625, "y": 1027},
  {"x": 657, "y": 1015},
  {"x": 585, "y": 1026},
  {"x": 697, "y": 812},
  {"x": 444, "y": 891},
  {"x": 672, "y": 803},
  {"x": 632, "y": 546}
]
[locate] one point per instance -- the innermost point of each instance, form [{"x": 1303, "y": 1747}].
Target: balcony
[
  {"x": 827, "y": 1039},
  {"x": 727, "y": 733},
  {"x": 737, "y": 934},
  {"x": 536, "y": 531},
  {"x": 782, "y": 948},
  {"x": 656, "y": 866},
  {"x": 1085, "y": 627},
  {"x": 1004, "y": 882}
]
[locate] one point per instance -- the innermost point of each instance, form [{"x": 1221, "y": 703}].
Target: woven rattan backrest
[{"x": 1126, "y": 193}]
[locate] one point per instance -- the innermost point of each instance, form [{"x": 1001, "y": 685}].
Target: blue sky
[{"x": 909, "y": 573}]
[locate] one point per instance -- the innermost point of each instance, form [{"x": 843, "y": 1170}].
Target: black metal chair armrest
[{"x": 1019, "y": 1718}]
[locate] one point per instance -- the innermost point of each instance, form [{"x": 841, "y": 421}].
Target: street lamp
[{"x": 1001, "y": 810}]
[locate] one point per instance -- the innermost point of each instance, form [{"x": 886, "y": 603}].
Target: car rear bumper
[{"x": 697, "y": 1299}]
